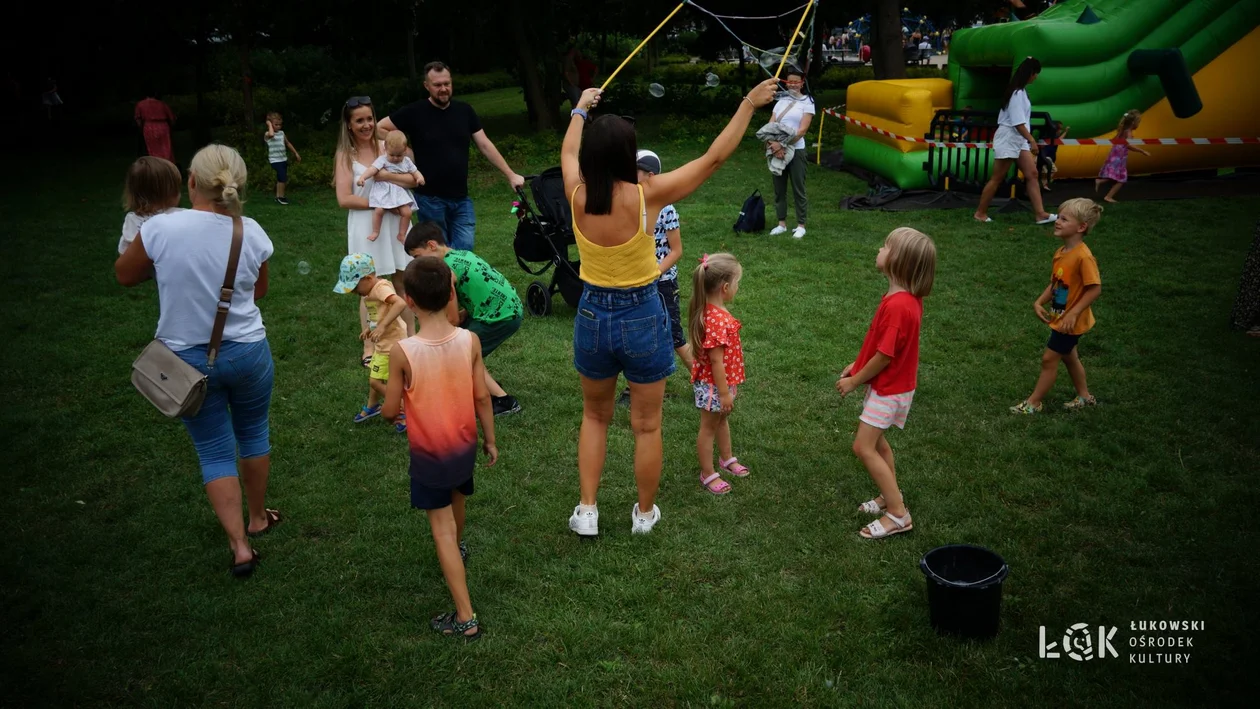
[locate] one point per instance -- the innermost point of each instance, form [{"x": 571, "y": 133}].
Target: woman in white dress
[{"x": 357, "y": 149}]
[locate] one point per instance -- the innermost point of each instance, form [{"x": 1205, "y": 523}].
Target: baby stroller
[{"x": 543, "y": 235}]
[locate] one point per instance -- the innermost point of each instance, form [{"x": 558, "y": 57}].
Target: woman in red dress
[{"x": 155, "y": 119}]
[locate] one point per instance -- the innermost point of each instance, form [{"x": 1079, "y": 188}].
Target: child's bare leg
[
  {"x": 404, "y": 222},
  {"x": 1098, "y": 183},
  {"x": 377, "y": 215},
  {"x": 495, "y": 389},
  {"x": 1049, "y": 370},
  {"x": 866, "y": 447},
  {"x": 408, "y": 317},
  {"x": 368, "y": 346},
  {"x": 1111, "y": 193},
  {"x": 724, "y": 437},
  {"x": 457, "y": 507},
  {"x": 886, "y": 452},
  {"x": 280, "y": 190},
  {"x": 1076, "y": 370},
  {"x": 376, "y": 392},
  {"x": 446, "y": 540},
  {"x": 709, "y": 423},
  {"x": 684, "y": 353}
]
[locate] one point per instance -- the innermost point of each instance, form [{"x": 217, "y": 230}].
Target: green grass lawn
[{"x": 116, "y": 589}]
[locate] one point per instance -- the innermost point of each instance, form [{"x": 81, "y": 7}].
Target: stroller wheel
[{"x": 538, "y": 299}]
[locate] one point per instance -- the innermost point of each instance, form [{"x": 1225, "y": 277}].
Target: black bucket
[{"x": 964, "y": 588}]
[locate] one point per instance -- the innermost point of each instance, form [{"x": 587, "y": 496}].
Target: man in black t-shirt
[{"x": 439, "y": 131}]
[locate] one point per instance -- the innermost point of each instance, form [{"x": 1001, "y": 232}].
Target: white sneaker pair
[
  {"x": 586, "y": 524},
  {"x": 797, "y": 233}
]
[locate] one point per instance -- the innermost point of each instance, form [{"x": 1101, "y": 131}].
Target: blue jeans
[
  {"x": 622, "y": 329},
  {"x": 234, "y": 413},
  {"x": 455, "y": 216}
]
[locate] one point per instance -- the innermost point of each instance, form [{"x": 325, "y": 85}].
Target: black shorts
[
  {"x": 282, "y": 171},
  {"x": 669, "y": 292},
  {"x": 1063, "y": 344},
  {"x": 431, "y": 498}
]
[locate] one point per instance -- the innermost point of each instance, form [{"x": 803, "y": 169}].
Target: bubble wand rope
[
  {"x": 645, "y": 41},
  {"x": 788, "y": 52}
]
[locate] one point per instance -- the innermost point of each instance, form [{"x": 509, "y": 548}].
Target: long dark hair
[
  {"x": 1026, "y": 71},
  {"x": 605, "y": 158}
]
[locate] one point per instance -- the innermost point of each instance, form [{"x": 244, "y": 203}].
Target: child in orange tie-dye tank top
[{"x": 441, "y": 381}]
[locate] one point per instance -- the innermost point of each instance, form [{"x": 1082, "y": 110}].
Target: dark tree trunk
[
  {"x": 887, "y": 52},
  {"x": 247, "y": 81},
  {"x": 202, "y": 130},
  {"x": 542, "y": 111},
  {"x": 411, "y": 48}
]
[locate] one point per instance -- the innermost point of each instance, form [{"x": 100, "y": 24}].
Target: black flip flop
[
  {"x": 245, "y": 570},
  {"x": 273, "y": 518}
]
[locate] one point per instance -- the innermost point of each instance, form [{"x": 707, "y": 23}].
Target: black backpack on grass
[{"x": 752, "y": 216}]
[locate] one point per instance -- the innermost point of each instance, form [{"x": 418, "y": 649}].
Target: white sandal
[
  {"x": 875, "y": 530},
  {"x": 871, "y": 507}
]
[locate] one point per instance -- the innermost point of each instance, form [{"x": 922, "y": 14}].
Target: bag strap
[{"x": 225, "y": 294}]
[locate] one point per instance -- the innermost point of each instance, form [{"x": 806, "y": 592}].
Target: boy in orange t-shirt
[
  {"x": 358, "y": 275},
  {"x": 1074, "y": 285}
]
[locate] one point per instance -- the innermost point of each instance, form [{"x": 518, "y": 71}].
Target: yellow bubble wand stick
[
  {"x": 645, "y": 41},
  {"x": 788, "y": 52}
]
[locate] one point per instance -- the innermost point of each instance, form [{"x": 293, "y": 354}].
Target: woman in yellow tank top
[{"x": 622, "y": 324}]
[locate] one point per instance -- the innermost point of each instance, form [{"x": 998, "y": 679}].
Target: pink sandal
[
  {"x": 734, "y": 467},
  {"x": 715, "y": 484}
]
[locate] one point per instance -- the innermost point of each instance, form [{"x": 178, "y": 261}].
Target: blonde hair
[
  {"x": 220, "y": 173},
  {"x": 1085, "y": 211},
  {"x": 152, "y": 185},
  {"x": 272, "y": 115},
  {"x": 911, "y": 261},
  {"x": 710, "y": 274},
  {"x": 1129, "y": 120},
  {"x": 395, "y": 140},
  {"x": 346, "y": 149}
]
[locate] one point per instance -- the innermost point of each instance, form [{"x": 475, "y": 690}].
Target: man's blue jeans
[{"x": 455, "y": 216}]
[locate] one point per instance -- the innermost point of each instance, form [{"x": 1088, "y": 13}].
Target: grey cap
[{"x": 648, "y": 161}]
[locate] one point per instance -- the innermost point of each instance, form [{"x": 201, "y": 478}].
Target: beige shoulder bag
[{"x": 175, "y": 387}]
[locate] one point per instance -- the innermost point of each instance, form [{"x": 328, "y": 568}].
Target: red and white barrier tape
[{"x": 1060, "y": 141}]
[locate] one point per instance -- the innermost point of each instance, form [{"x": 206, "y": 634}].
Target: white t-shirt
[
  {"x": 1018, "y": 111},
  {"x": 276, "y": 150},
  {"x": 791, "y": 112},
  {"x": 925, "y": 45},
  {"x": 131, "y": 226},
  {"x": 189, "y": 250},
  {"x": 403, "y": 167}
]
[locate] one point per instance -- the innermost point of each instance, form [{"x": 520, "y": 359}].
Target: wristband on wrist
[
  {"x": 580, "y": 112},
  {"x": 750, "y": 103}
]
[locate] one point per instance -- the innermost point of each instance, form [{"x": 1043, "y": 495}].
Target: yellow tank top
[{"x": 627, "y": 265}]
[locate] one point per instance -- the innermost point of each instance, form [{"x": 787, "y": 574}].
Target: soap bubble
[
  {"x": 656, "y": 90},
  {"x": 711, "y": 80},
  {"x": 304, "y": 267}
]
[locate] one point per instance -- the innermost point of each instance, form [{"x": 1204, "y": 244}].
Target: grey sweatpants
[{"x": 796, "y": 172}]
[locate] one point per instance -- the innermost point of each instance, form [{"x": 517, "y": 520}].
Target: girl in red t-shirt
[
  {"x": 888, "y": 364},
  {"x": 719, "y": 364}
]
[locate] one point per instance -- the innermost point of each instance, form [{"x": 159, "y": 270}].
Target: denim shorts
[
  {"x": 622, "y": 330},
  {"x": 669, "y": 291},
  {"x": 234, "y": 417}
]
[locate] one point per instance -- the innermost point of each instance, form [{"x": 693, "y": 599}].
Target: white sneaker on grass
[
  {"x": 778, "y": 230},
  {"x": 586, "y": 524},
  {"x": 638, "y": 525},
  {"x": 798, "y": 232}
]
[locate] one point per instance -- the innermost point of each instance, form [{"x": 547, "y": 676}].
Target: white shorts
[
  {"x": 884, "y": 411},
  {"x": 1008, "y": 143}
]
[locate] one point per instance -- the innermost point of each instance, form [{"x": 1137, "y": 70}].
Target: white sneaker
[
  {"x": 778, "y": 230},
  {"x": 639, "y": 525},
  {"x": 585, "y": 524},
  {"x": 798, "y": 232}
]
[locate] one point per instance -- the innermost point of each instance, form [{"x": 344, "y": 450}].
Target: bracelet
[
  {"x": 750, "y": 103},
  {"x": 580, "y": 112}
]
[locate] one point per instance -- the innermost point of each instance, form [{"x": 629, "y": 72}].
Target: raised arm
[
  {"x": 573, "y": 141},
  {"x": 673, "y": 186}
]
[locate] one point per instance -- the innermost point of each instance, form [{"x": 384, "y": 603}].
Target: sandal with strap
[
  {"x": 876, "y": 530},
  {"x": 246, "y": 569},
  {"x": 734, "y": 467},
  {"x": 273, "y": 518},
  {"x": 871, "y": 507},
  {"x": 715, "y": 484},
  {"x": 448, "y": 625}
]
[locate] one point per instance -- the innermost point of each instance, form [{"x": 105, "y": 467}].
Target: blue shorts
[
  {"x": 669, "y": 291},
  {"x": 432, "y": 498},
  {"x": 282, "y": 171},
  {"x": 1061, "y": 343},
  {"x": 622, "y": 330},
  {"x": 233, "y": 420}
]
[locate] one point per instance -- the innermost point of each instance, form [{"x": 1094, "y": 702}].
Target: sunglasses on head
[{"x": 356, "y": 101}]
